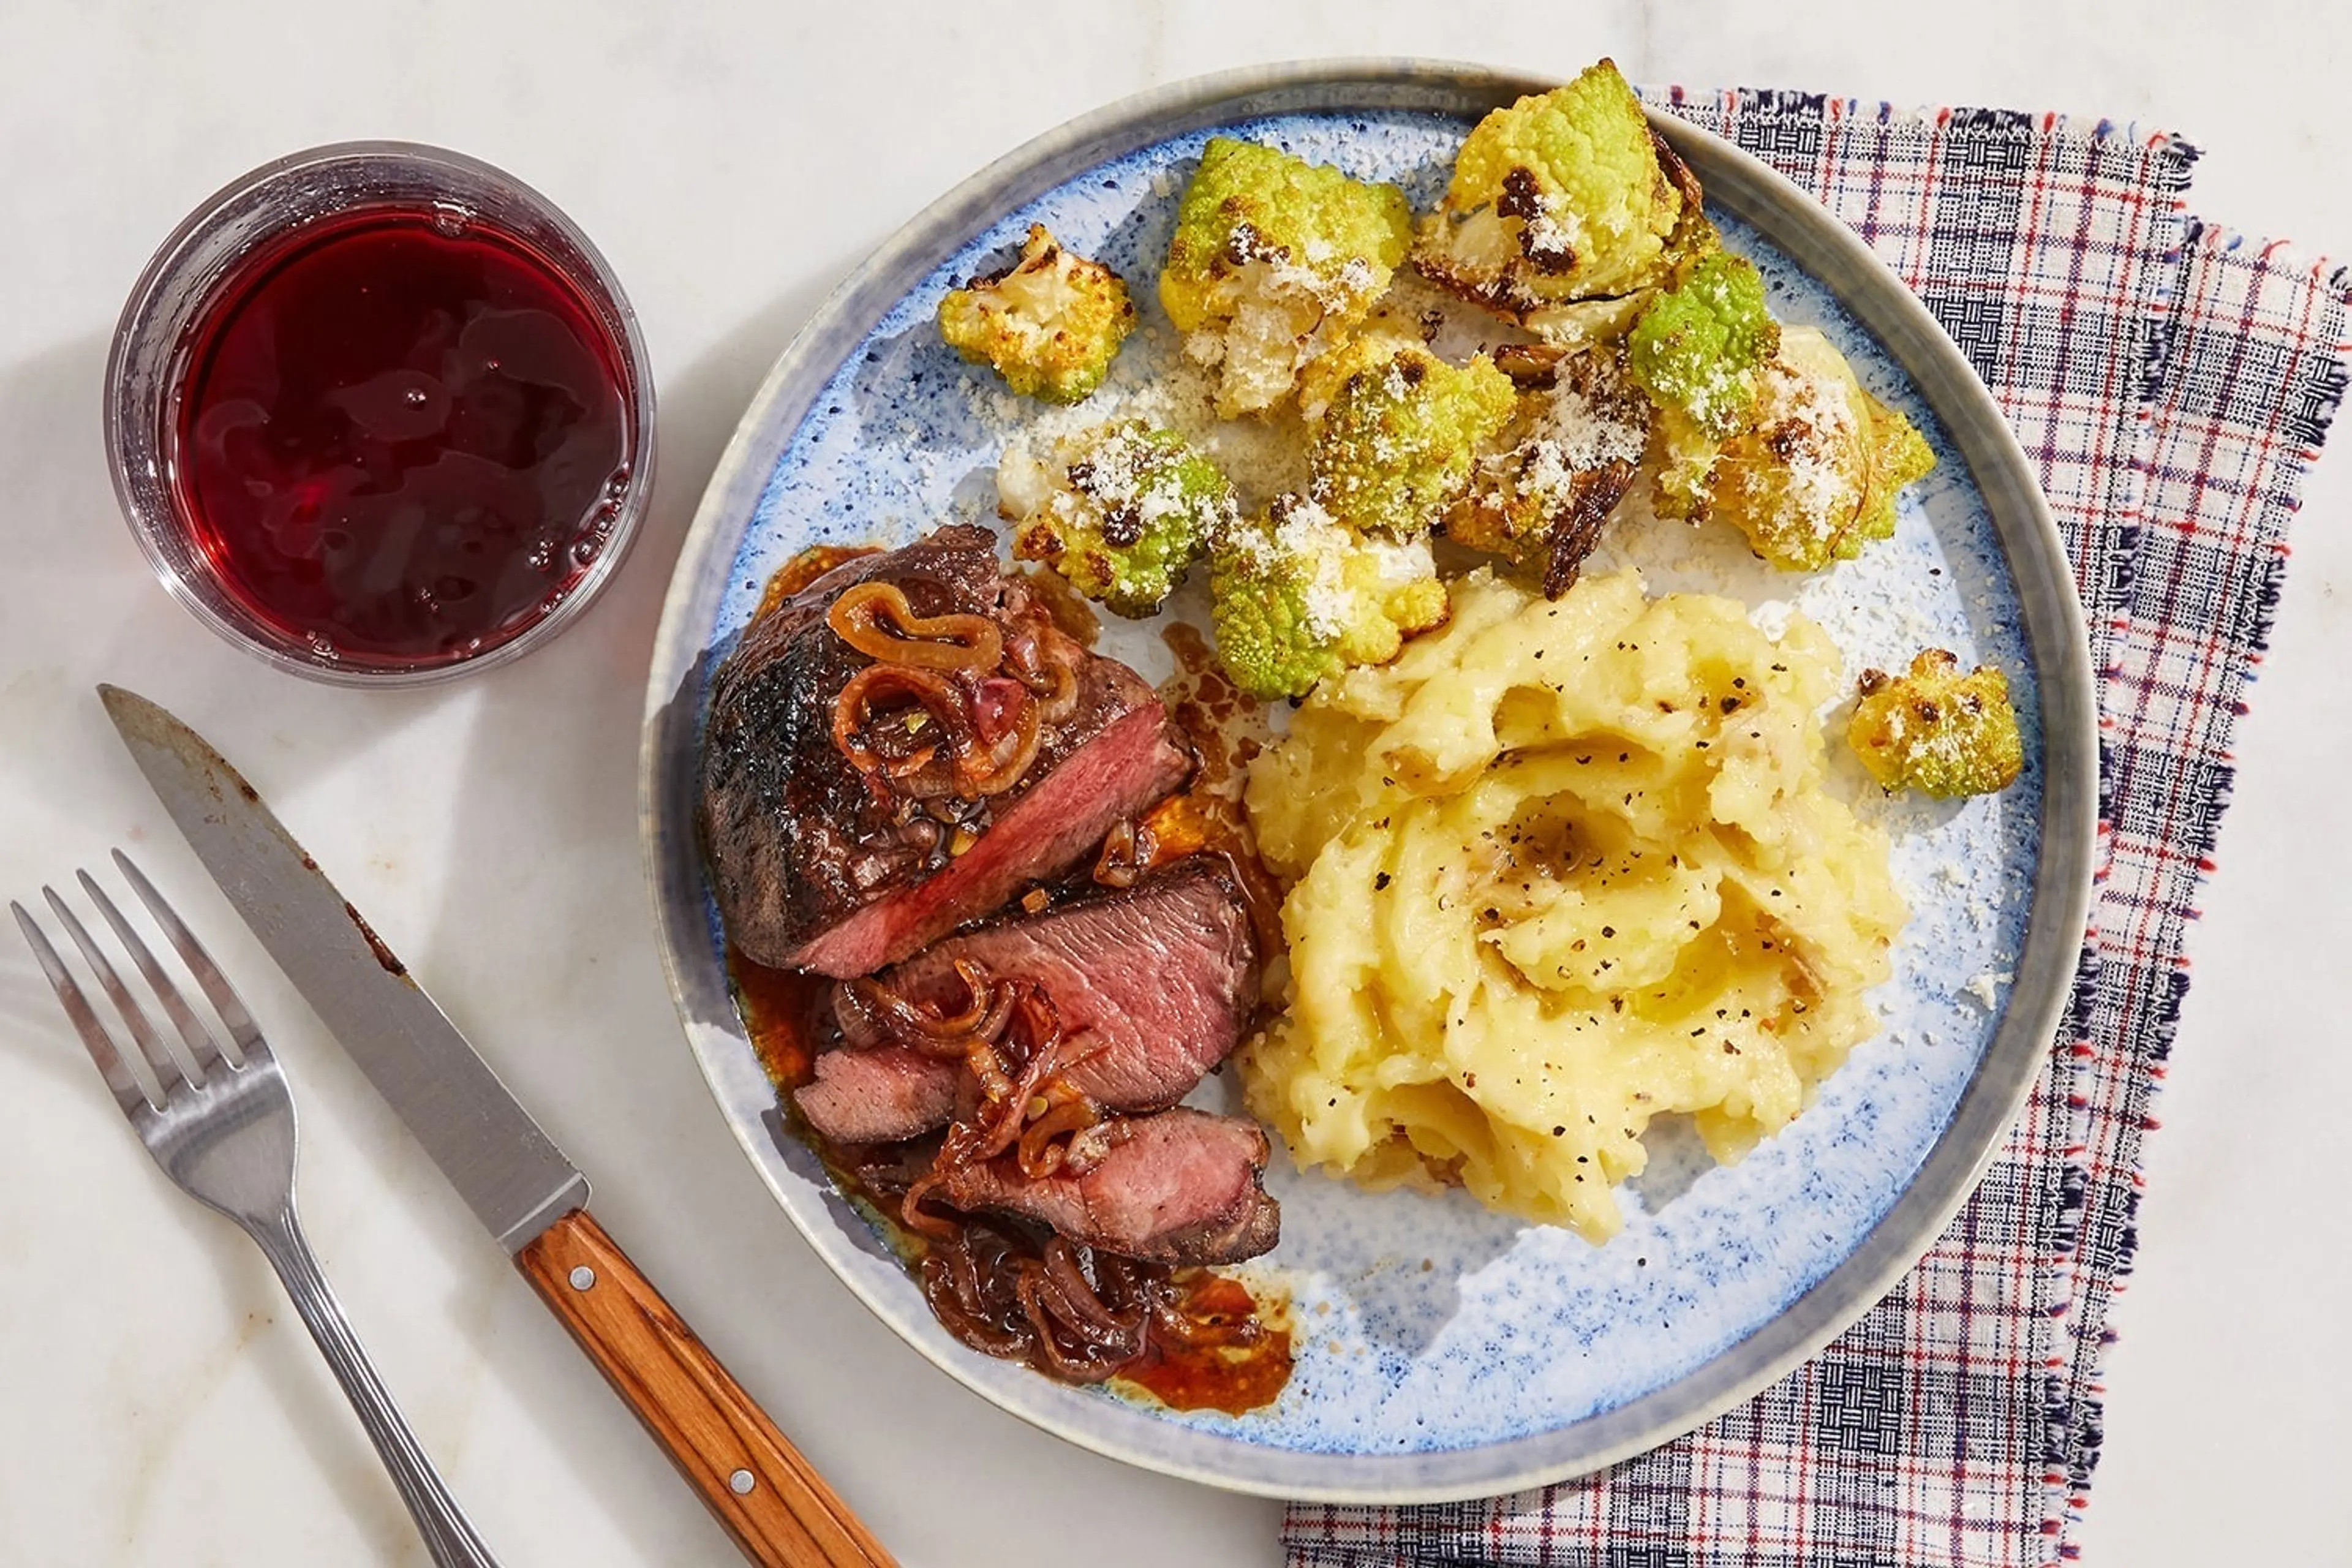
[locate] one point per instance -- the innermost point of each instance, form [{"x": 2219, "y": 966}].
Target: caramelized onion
[
  {"x": 987, "y": 1070},
  {"x": 1039, "y": 1154},
  {"x": 1180, "y": 1325},
  {"x": 989, "y": 691},
  {"x": 1002, "y": 764},
  {"x": 1082, "y": 1296},
  {"x": 957, "y": 1294},
  {"x": 937, "y": 696},
  {"x": 924, "y": 642},
  {"x": 1126, "y": 850},
  {"x": 1069, "y": 1368},
  {"x": 919, "y": 1219},
  {"x": 1007, "y": 1097},
  {"x": 918, "y": 1029},
  {"x": 979, "y": 770},
  {"x": 1051, "y": 677}
]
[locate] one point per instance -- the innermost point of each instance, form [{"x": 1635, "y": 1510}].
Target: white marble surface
[{"x": 158, "y": 1401}]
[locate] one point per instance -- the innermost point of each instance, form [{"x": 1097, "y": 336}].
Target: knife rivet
[
  {"x": 582, "y": 1278},
  {"x": 740, "y": 1483}
]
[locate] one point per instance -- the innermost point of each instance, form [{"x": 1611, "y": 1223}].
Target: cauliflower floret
[
  {"x": 1050, "y": 325},
  {"x": 1814, "y": 476},
  {"x": 1937, "y": 729},
  {"x": 1400, "y": 435},
  {"x": 1273, "y": 259},
  {"x": 1563, "y": 197},
  {"x": 1567, "y": 457},
  {"x": 1120, "y": 511},
  {"x": 1299, "y": 595},
  {"x": 1697, "y": 351}
]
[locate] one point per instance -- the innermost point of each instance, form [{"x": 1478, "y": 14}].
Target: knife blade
[{"x": 511, "y": 1173}]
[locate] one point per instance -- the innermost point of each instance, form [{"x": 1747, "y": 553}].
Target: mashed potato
[{"x": 1558, "y": 869}]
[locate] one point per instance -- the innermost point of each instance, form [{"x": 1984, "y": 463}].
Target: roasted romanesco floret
[
  {"x": 1400, "y": 437},
  {"x": 1299, "y": 596},
  {"x": 1273, "y": 260},
  {"x": 1697, "y": 351},
  {"x": 1937, "y": 729},
  {"x": 1118, "y": 510},
  {"x": 1814, "y": 476},
  {"x": 1378, "y": 338},
  {"x": 1563, "y": 197},
  {"x": 1567, "y": 458},
  {"x": 1050, "y": 324}
]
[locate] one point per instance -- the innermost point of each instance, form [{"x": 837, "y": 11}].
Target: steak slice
[
  {"x": 880, "y": 1095},
  {"x": 1181, "y": 1186},
  {"x": 1056, "y": 822},
  {"x": 812, "y": 866},
  {"x": 1154, "y": 986}
]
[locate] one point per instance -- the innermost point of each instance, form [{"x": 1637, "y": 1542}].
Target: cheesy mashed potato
[{"x": 1557, "y": 870}]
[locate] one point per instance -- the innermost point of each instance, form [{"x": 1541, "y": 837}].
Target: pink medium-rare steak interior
[
  {"x": 1181, "y": 1186},
  {"x": 1152, "y": 986},
  {"x": 1057, "y": 821}
]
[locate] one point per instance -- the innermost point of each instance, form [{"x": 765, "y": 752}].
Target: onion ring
[
  {"x": 933, "y": 693},
  {"x": 909, "y": 1023},
  {"x": 925, "y": 642}
]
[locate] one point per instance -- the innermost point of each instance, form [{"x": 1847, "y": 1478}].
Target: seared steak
[
  {"x": 1152, "y": 984},
  {"x": 815, "y": 867},
  {"x": 1182, "y": 1186}
]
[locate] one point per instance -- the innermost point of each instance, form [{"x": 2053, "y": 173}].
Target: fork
[{"x": 221, "y": 1123}]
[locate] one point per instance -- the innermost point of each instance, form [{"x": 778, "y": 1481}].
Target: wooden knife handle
[{"x": 771, "y": 1499}]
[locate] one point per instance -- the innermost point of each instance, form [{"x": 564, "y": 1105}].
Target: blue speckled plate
[{"x": 1446, "y": 1352}]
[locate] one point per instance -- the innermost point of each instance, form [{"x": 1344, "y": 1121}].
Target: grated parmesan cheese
[{"x": 1986, "y": 987}]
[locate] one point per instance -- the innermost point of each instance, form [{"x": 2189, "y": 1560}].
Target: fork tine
[
  {"x": 129, "y": 1091},
  {"x": 168, "y": 1071},
  {"x": 245, "y": 1035},
  {"x": 203, "y": 1050}
]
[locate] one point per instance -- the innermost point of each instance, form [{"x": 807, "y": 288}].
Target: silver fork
[{"x": 221, "y": 1123}]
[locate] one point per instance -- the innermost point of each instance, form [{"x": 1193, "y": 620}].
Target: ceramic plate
[{"x": 1443, "y": 1350}]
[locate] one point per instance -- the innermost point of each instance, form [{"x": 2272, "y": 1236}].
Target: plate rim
[{"x": 2056, "y": 633}]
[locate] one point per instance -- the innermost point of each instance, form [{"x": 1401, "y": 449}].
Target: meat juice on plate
[{"x": 401, "y": 437}]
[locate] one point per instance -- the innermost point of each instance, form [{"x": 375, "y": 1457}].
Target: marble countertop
[{"x": 159, "y": 1402}]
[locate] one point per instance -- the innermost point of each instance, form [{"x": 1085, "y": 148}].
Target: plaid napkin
[{"x": 2172, "y": 382}]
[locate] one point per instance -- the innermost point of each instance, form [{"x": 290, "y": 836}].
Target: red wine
[{"x": 400, "y": 438}]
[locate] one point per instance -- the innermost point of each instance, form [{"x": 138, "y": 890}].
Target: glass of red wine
[{"x": 379, "y": 414}]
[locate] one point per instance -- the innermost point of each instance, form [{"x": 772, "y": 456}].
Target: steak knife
[{"x": 517, "y": 1183}]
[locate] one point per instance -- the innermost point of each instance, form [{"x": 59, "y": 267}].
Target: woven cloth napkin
[{"x": 2172, "y": 382}]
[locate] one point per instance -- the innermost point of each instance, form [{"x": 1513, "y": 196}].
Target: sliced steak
[
  {"x": 1182, "y": 1186},
  {"x": 878, "y": 1095},
  {"x": 814, "y": 869},
  {"x": 1153, "y": 986}
]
